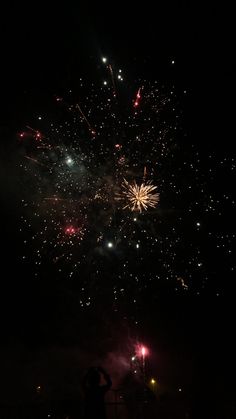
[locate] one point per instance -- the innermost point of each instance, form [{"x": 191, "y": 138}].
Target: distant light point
[{"x": 69, "y": 161}]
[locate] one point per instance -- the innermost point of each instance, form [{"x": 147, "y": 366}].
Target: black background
[{"x": 45, "y": 50}]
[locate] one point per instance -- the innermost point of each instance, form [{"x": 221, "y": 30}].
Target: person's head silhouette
[{"x": 95, "y": 392}]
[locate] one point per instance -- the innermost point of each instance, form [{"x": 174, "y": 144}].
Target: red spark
[
  {"x": 70, "y": 230},
  {"x": 141, "y": 351},
  {"x": 137, "y": 98},
  {"x": 38, "y": 135}
]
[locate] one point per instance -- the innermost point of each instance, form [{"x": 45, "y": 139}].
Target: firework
[
  {"x": 140, "y": 197},
  {"x": 74, "y": 168},
  {"x": 137, "y": 98},
  {"x": 113, "y": 80}
]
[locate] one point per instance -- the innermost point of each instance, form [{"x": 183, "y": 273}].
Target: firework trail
[
  {"x": 112, "y": 79},
  {"x": 85, "y": 119},
  {"x": 137, "y": 98}
]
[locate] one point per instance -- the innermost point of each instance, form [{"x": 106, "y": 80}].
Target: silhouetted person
[{"x": 95, "y": 393}]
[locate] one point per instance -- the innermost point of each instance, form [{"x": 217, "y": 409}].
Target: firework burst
[
  {"x": 81, "y": 168},
  {"x": 140, "y": 197}
]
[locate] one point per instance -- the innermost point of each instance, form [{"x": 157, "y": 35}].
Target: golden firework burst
[{"x": 140, "y": 197}]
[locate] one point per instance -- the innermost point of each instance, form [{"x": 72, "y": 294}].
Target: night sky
[{"x": 92, "y": 99}]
